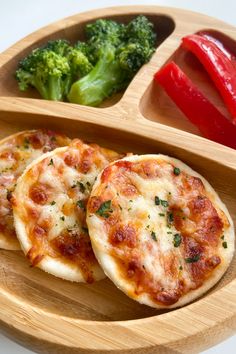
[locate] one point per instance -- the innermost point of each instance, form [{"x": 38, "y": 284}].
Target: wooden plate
[{"x": 51, "y": 315}]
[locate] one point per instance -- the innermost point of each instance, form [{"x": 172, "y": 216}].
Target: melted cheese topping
[
  {"x": 16, "y": 152},
  {"x": 159, "y": 230},
  {"x": 53, "y": 210}
]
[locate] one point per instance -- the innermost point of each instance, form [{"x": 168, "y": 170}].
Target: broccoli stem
[
  {"x": 52, "y": 91},
  {"x": 104, "y": 79},
  {"x": 41, "y": 88}
]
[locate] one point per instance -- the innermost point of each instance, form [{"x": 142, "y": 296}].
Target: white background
[{"x": 21, "y": 17}]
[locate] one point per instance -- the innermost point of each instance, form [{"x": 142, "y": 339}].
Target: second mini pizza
[
  {"x": 159, "y": 230},
  {"x": 49, "y": 207}
]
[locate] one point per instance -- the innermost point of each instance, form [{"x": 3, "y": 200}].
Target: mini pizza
[
  {"x": 16, "y": 152},
  {"x": 49, "y": 207},
  {"x": 159, "y": 230}
]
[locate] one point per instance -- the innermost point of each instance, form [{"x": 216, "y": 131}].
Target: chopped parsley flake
[
  {"x": 81, "y": 187},
  {"x": 180, "y": 267},
  {"x": 161, "y": 214},
  {"x": 53, "y": 202},
  {"x": 81, "y": 204},
  {"x": 149, "y": 216},
  {"x": 131, "y": 201},
  {"x": 177, "y": 240},
  {"x": 62, "y": 218},
  {"x": 176, "y": 171},
  {"x": 88, "y": 184},
  {"x": 157, "y": 200},
  {"x": 51, "y": 163},
  {"x": 105, "y": 209},
  {"x": 222, "y": 237},
  {"x": 153, "y": 234},
  {"x": 170, "y": 218},
  {"x": 224, "y": 244},
  {"x": 129, "y": 209},
  {"x": 164, "y": 203},
  {"x": 120, "y": 207},
  {"x": 85, "y": 229},
  {"x": 169, "y": 232},
  {"x": 193, "y": 259}
]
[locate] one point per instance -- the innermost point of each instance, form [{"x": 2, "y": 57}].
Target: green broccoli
[
  {"x": 90, "y": 71},
  {"x": 118, "y": 51},
  {"x": 52, "y": 69},
  {"x": 58, "y": 46},
  {"x": 79, "y": 63},
  {"x": 77, "y": 59},
  {"x": 139, "y": 44},
  {"x": 106, "y": 78},
  {"x": 100, "y": 33}
]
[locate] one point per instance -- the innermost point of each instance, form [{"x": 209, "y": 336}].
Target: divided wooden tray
[{"x": 49, "y": 315}]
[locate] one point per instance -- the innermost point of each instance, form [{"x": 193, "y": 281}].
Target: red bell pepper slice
[
  {"x": 218, "y": 65},
  {"x": 198, "y": 109},
  {"x": 222, "y": 41}
]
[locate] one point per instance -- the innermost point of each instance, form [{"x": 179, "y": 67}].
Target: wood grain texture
[{"x": 50, "y": 315}]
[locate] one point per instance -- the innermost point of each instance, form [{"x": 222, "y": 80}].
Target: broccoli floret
[
  {"x": 79, "y": 63},
  {"x": 105, "y": 30},
  {"x": 118, "y": 51},
  {"x": 100, "y": 33},
  {"x": 106, "y": 78},
  {"x": 58, "y": 46},
  {"x": 52, "y": 69},
  {"x": 83, "y": 47},
  {"x": 139, "y": 44},
  {"x": 46, "y": 71},
  {"x": 140, "y": 30}
]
